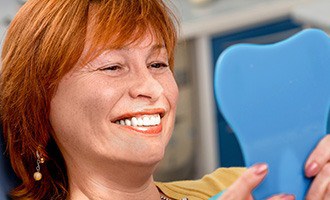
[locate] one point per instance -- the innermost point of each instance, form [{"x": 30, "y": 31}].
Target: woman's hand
[
  {"x": 318, "y": 166},
  {"x": 243, "y": 187}
]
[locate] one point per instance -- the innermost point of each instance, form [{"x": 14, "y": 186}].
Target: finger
[
  {"x": 327, "y": 194},
  {"x": 320, "y": 184},
  {"x": 282, "y": 197},
  {"x": 242, "y": 188},
  {"x": 318, "y": 158}
]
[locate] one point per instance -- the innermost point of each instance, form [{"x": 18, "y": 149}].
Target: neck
[{"x": 115, "y": 181}]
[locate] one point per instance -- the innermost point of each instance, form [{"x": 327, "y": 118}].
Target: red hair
[{"x": 44, "y": 42}]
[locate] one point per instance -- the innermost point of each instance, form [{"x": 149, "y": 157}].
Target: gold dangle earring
[{"x": 37, "y": 175}]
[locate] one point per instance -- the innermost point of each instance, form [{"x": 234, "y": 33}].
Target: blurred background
[{"x": 202, "y": 140}]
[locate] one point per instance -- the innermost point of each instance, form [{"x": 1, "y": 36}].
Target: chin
[{"x": 149, "y": 159}]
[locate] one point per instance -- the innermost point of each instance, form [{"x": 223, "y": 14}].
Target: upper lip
[{"x": 154, "y": 111}]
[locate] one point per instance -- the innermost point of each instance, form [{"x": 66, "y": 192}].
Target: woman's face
[{"x": 121, "y": 106}]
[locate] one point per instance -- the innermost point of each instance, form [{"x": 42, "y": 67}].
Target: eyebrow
[
  {"x": 158, "y": 46},
  {"x": 155, "y": 47}
]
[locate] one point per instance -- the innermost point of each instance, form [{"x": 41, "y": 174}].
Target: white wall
[{"x": 8, "y": 9}]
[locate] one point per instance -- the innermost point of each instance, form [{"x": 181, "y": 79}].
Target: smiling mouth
[
  {"x": 141, "y": 121},
  {"x": 145, "y": 124}
]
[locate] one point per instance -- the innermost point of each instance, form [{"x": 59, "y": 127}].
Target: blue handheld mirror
[{"x": 276, "y": 98}]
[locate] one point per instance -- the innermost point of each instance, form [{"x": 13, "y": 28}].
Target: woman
[{"x": 88, "y": 103}]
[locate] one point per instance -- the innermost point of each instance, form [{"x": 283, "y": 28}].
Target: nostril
[
  {"x": 147, "y": 88},
  {"x": 144, "y": 96}
]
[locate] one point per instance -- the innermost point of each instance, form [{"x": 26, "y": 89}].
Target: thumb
[{"x": 241, "y": 189}]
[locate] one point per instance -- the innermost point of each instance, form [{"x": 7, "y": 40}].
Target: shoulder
[{"x": 203, "y": 188}]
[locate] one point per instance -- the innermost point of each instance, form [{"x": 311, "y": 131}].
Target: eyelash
[
  {"x": 112, "y": 68},
  {"x": 152, "y": 65},
  {"x": 159, "y": 65}
]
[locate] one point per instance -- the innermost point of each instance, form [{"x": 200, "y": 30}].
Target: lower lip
[{"x": 149, "y": 130}]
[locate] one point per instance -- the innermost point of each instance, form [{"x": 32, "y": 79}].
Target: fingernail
[
  {"x": 287, "y": 197},
  {"x": 260, "y": 168},
  {"x": 311, "y": 169}
]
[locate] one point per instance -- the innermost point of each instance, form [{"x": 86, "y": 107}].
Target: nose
[{"x": 146, "y": 86}]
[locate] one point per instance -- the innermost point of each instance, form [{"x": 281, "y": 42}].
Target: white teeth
[
  {"x": 157, "y": 119},
  {"x": 152, "y": 120},
  {"x": 146, "y": 120},
  {"x": 134, "y": 121},
  {"x": 140, "y": 122},
  {"x": 128, "y": 122}
]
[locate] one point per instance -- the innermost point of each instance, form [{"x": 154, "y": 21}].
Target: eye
[
  {"x": 158, "y": 65},
  {"x": 111, "y": 68}
]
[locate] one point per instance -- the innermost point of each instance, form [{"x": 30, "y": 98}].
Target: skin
[
  {"x": 242, "y": 188},
  {"x": 106, "y": 160},
  {"x": 89, "y": 97},
  {"x": 124, "y": 81},
  {"x": 317, "y": 166}
]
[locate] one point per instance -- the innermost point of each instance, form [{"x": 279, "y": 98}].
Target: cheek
[
  {"x": 171, "y": 91},
  {"x": 79, "y": 105}
]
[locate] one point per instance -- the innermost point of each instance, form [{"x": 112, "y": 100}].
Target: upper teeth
[{"x": 145, "y": 120}]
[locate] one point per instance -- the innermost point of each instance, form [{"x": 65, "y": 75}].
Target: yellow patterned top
[{"x": 203, "y": 188}]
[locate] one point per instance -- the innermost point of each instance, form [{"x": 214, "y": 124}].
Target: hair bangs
[{"x": 116, "y": 24}]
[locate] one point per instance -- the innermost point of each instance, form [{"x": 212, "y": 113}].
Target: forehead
[
  {"x": 127, "y": 23},
  {"x": 106, "y": 35},
  {"x": 148, "y": 42}
]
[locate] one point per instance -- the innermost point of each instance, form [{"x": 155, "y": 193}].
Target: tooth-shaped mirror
[{"x": 276, "y": 98}]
